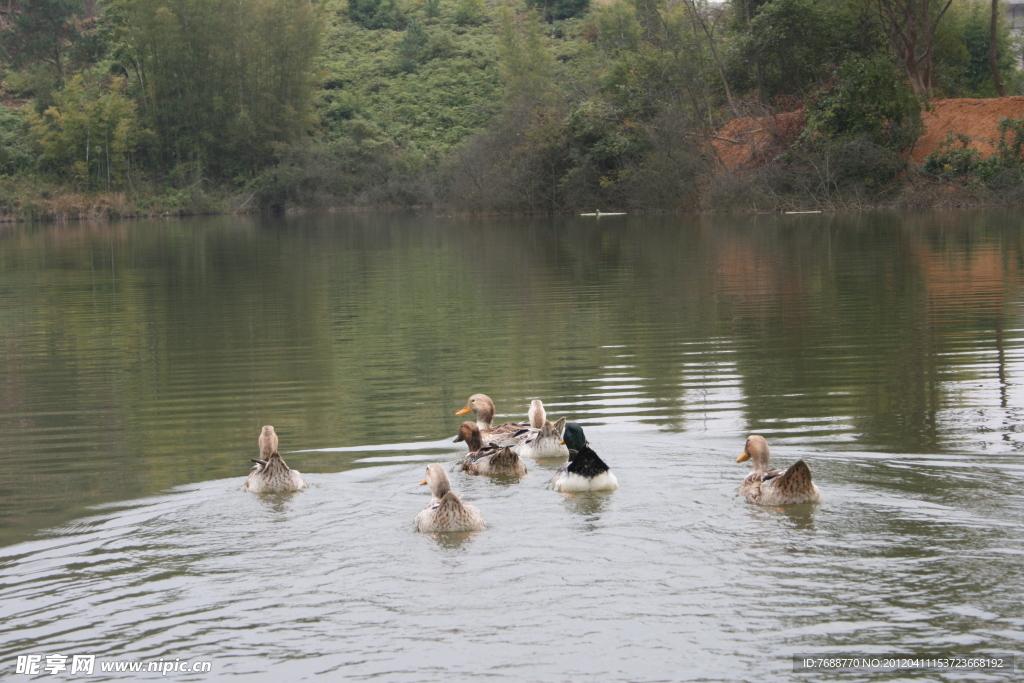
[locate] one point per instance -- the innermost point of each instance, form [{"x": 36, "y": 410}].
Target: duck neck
[{"x": 441, "y": 487}]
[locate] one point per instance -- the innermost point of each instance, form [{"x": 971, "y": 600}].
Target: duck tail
[{"x": 796, "y": 478}]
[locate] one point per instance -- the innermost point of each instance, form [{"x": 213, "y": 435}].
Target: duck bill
[
  {"x": 458, "y": 439},
  {"x": 423, "y": 483},
  {"x": 743, "y": 457},
  {"x": 464, "y": 411}
]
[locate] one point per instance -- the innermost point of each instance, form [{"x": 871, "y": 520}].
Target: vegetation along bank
[{"x": 131, "y": 107}]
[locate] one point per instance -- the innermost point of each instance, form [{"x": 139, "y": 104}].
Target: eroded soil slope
[{"x": 750, "y": 142}]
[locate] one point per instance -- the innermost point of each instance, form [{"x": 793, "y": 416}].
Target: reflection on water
[
  {"x": 589, "y": 505},
  {"x": 884, "y": 349}
]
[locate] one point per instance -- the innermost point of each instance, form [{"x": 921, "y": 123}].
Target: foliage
[
  {"x": 16, "y": 153},
  {"x": 956, "y": 158},
  {"x": 225, "y": 82},
  {"x": 661, "y": 57},
  {"x": 377, "y": 14},
  {"x": 412, "y": 46},
  {"x": 559, "y": 9},
  {"x": 953, "y": 157},
  {"x": 526, "y": 61},
  {"x": 789, "y": 45},
  {"x": 865, "y": 98},
  {"x": 90, "y": 132},
  {"x": 834, "y": 174},
  {"x": 483, "y": 105},
  {"x": 470, "y": 12},
  {"x": 43, "y": 31},
  {"x": 961, "y": 61}
]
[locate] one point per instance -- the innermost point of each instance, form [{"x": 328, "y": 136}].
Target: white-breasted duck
[{"x": 585, "y": 471}]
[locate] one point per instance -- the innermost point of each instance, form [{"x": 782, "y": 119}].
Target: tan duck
[
  {"x": 273, "y": 476},
  {"x": 782, "y": 486},
  {"x": 491, "y": 458},
  {"x": 483, "y": 406},
  {"x": 537, "y": 415},
  {"x": 268, "y": 442},
  {"x": 445, "y": 511},
  {"x": 545, "y": 443}
]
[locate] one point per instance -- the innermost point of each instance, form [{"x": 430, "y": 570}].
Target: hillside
[{"x": 750, "y": 142}]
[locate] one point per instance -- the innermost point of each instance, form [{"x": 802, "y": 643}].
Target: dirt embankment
[{"x": 750, "y": 142}]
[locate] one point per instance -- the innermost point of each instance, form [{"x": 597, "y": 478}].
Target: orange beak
[
  {"x": 464, "y": 411},
  {"x": 423, "y": 483},
  {"x": 743, "y": 457}
]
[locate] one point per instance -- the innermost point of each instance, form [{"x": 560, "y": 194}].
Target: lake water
[{"x": 138, "y": 361}]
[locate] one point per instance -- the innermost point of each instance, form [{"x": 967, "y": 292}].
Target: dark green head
[{"x": 573, "y": 437}]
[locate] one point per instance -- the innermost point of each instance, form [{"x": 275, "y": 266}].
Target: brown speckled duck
[
  {"x": 268, "y": 442},
  {"x": 483, "y": 406},
  {"x": 445, "y": 511},
  {"x": 782, "y": 486},
  {"x": 490, "y": 458},
  {"x": 273, "y": 476}
]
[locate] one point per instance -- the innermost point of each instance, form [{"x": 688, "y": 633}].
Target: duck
[
  {"x": 445, "y": 512},
  {"x": 483, "y": 406},
  {"x": 488, "y": 459},
  {"x": 782, "y": 486},
  {"x": 273, "y": 476},
  {"x": 545, "y": 443},
  {"x": 537, "y": 416},
  {"x": 267, "y": 441},
  {"x": 585, "y": 471}
]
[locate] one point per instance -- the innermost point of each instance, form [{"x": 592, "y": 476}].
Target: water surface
[{"x": 140, "y": 359}]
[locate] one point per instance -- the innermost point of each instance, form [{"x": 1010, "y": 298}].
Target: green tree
[
  {"x": 786, "y": 46},
  {"x": 225, "y": 82},
  {"x": 16, "y": 150},
  {"x": 866, "y": 98},
  {"x": 90, "y": 132},
  {"x": 962, "y": 65},
  {"x": 377, "y": 14},
  {"x": 412, "y": 45},
  {"x": 559, "y": 9},
  {"x": 525, "y": 59},
  {"x": 470, "y": 12},
  {"x": 43, "y": 31}
]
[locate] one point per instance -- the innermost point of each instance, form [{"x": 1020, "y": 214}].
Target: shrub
[
  {"x": 866, "y": 98},
  {"x": 559, "y": 9},
  {"x": 470, "y": 12},
  {"x": 377, "y": 14},
  {"x": 16, "y": 153}
]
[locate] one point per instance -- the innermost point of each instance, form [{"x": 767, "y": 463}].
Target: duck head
[
  {"x": 268, "y": 442},
  {"x": 573, "y": 436},
  {"x": 483, "y": 406},
  {"x": 437, "y": 479},
  {"x": 756, "y": 449},
  {"x": 470, "y": 433},
  {"x": 537, "y": 414}
]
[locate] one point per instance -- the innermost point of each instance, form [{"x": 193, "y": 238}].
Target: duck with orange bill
[{"x": 781, "y": 486}]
